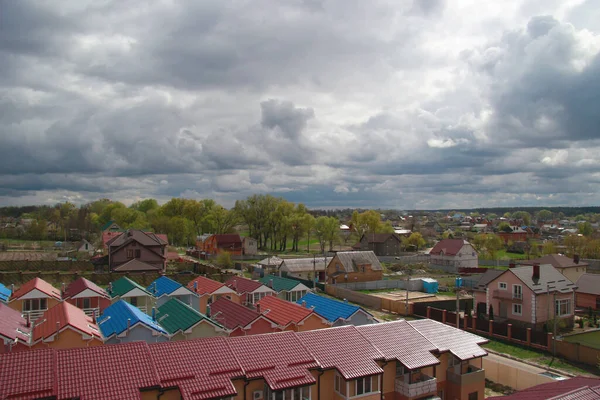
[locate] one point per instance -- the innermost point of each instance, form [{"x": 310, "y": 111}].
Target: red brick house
[
  {"x": 587, "y": 293},
  {"x": 216, "y": 244},
  {"x": 136, "y": 250}
]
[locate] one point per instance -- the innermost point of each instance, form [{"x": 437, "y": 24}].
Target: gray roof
[
  {"x": 351, "y": 259},
  {"x": 549, "y": 276},
  {"x": 487, "y": 277},
  {"x": 304, "y": 264},
  {"x": 143, "y": 238},
  {"x": 557, "y": 261},
  {"x": 273, "y": 261},
  {"x": 589, "y": 283}
]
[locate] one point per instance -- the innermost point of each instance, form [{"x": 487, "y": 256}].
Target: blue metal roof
[
  {"x": 330, "y": 309},
  {"x": 163, "y": 285},
  {"x": 4, "y": 293},
  {"x": 114, "y": 319}
]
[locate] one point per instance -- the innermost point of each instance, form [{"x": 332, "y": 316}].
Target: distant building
[
  {"x": 452, "y": 254},
  {"x": 250, "y": 246},
  {"x": 382, "y": 244},
  {"x": 135, "y": 250},
  {"x": 571, "y": 268},
  {"x": 354, "y": 266}
]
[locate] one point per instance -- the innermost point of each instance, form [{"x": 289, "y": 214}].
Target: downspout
[
  {"x": 161, "y": 391},
  {"x": 381, "y": 379},
  {"x": 321, "y": 372},
  {"x": 246, "y": 383}
]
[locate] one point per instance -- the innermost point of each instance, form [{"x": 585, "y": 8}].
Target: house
[
  {"x": 88, "y": 296},
  {"x": 354, "y": 266},
  {"x": 85, "y": 247},
  {"x": 530, "y": 296},
  {"x": 122, "y": 322},
  {"x": 65, "y": 326},
  {"x": 382, "y": 244},
  {"x": 111, "y": 226},
  {"x": 210, "y": 291},
  {"x": 338, "y": 313},
  {"x": 305, "y": 268},
  {"x": 452, "y": 254},
  {"x": 587, "y": 293},
  {"x": 15, "y": 330},
  {"x": 230, "y": 243},
  {"x": 182, "y": 322},
  {"x": 395, "y": 360},
  {"x": 572, "y": 268},
  {"x": 271, "y": 264},
  {"x": 133, "y": 293},
  {"x": 165, "y": 289},
  {"x": 249, "y": 246},
  {"x": 480, "y": 290},
  {"x": 286, "y": 289},
  {"x": 517, "y": 234},
  {"x": 135, "y": 250},
  {"x": 290, "y": 316},
  {"x": 34, "y": 297},
  {"x": 249, "y": 291},
  {"x": 240, "y": 320},
  {"x": 200, "y": 240},
  {"x": 579, "y": 387},
  {"x": 4, "y": 294}
]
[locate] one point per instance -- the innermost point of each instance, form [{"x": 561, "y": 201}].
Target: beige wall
[
  {"x": 68, "y": 339},
  {"x": 510, "y": 376},
  {"x": 202, "y": 330},
  {"x": 311, "y": 323},
  {"x": 573, "y": 273}
]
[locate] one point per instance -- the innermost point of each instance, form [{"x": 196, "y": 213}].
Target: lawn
[
  {"x": 504, "y": 255},
  {"x": 538, "y": 357}
]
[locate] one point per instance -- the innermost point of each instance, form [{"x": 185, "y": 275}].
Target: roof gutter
[{"x": 246, "y": 383}]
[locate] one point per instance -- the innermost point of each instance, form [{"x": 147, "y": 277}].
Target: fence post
[
  {"x": 550, "y": 339},
  {"x": 475, "y": 323},
  {"x": 429, "y": 312},
  {"x": 528, "y": 336},
  {"x": 491, "y": 328},
  {"x": 443, "y": 316},
  {"x": 509, "y": 329},
  {"x": 466, "y": 323}
]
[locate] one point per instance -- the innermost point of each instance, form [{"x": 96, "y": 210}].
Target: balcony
[
  {"x": 506, "y": 295},
  {"x": 33, "y": 314},
  {"x": 91, "y": 311},
  {"x": 422, "y": 386},
  {"x": 473, "y": 375}
]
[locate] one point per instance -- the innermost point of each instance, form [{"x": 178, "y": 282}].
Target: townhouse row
[{"x": 394, "y": 360}]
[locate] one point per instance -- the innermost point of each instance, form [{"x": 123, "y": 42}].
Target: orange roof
[
  {"x": 61, "y": 316},
  {"x": 283, "y": 312},
  {"x": 205, "y": 285},
  {"x": 39, "y": 284}
]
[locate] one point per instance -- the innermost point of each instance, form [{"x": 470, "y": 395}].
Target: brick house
[
  {"x": 354, "y": 266},
  {"x": 530, "y": 296},
  {"x": 216, "y": 244},
  {"x": 587, "y": 293},
  {"x": 136, "y": 250},
  {"x": 452, "y": 254},
  {"x": 382, "y": 244}
]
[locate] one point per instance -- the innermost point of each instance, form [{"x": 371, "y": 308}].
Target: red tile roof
[
  {"x": 283, "y": 312},
  {"x": 354, "y": 360},
  {"x": 280, "y": 358},
  {"x": 81, "y": 284},
  {"x": 39, "y": 284},
  {"x": 228, "y": 240},
  {"x": 61, "y": 316},
  {"x": 105, "y": 372},
  {"x": 552, "y": 389},
  {"x": 450, "y": 247},
  {"x": 28, "y": 375},
  {"x": 462, "y": 344},
  {"x": 185, "y": 364},
  {"x": 230, "y": 314},
  {"x": 205, "y": 285},
  {"x": 10, "y": 321},
  {"x": 242, "y": 285},
  {"x": 398, "y": 340}
]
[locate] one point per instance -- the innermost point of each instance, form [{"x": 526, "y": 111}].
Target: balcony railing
[
  {"x": 423, "y": 386},
  {"x": 473, "y": 375},
  {"x": 90, "y": 311},
  {"x": 33, "y": 314},
  {"x": 506, "y": 295}
]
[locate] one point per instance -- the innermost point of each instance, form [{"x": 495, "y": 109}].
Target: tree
[
  {"x": 585, "y": 229},
  {"x": 326, "y": 229},
  {"x": 488, "y": 243},
  {"x": 544, "y": 215},
  {"x": 549, "y": 248},
  {"x": 504, "y": 227},
  {"x": 524, "y": 215},
  {"x": 414, "y": 240},
  {"x": 222, "y": 220},
  {"x": 448, "y": 235},
  {"x": 224, "y": 260},
  {"x": 368, "y": 222},
  {"x": 308, "y": 224},
  {"x": 575, "y": 244},
  {"x": 145, "y": 205}
]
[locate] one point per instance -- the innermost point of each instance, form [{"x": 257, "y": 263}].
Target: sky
[{"x": 400, "y": 104}]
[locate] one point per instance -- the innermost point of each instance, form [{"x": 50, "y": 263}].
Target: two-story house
[
  {"x": 250, "y": 292},
  {"x": 132, "y": 292},
  {"x": 165, "y": 289},
  {"x": 452, "y": 254},
  {"x": 530, "y": 296},
  {"x": 135, "y": 250},
  {"x": 88, "y": 296},
  {"x": 572, "y": 268},
  {"x": 354, "y": 266},
  {"x": 230, "y": 243},
  {"x": 34, "y": 297},
  {"x": 210, "y": 291},
  {"x": 287, "y": 289}
]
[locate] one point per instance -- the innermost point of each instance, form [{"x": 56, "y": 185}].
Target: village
[{"x": 456, "y": 313}]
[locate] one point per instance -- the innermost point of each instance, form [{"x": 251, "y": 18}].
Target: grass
[
  {"x": 504, "y": 255},
  {"x": 535, "y": 356}
]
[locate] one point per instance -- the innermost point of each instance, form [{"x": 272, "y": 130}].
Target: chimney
[
  {"x": 258, "y": 308},
  {"x": 57, "y": 328},
  {"x": 128, "y": 324},
  {"x": 271, "y": 283},
  {"x": 154, "y": 314},
  {"x": 345, "y": 301},
  {"x": 28, "y": 320},
  {"x": 110, "y": 287},
  {"x": 12, "y": 288},
  {"x": 576, "y": 258},
  {"x": 196, "y": 286},
  {"x": 208, "y": 310},
  {"x": 511, "y": 265},
  {"x": 304, "y": 303},
  {"x": 536, "y": 271}
]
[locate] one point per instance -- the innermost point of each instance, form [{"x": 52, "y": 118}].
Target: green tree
[
  {"x": 504, "y": 227},
  {"x": 145, "y": 205},
  {"x": 544, "y": 215},
  {"x": 308, "y": 225},
  {"x": 414, "y": 240},
  {"x": 224, "y": 260},
  {"x": 524, "y": 215},
  {"x": 549, "y": 248},
  {"x": 222, "y": 220},
  {"x": 326, "y": 230},
  {"x": 585, "y": 229}
]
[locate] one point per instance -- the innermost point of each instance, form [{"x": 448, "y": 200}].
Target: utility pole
[
  {"x": 458, "y": 285},
  {"x": 555, "y": 323},
  {"x": 315, "y": 273},
  {"x": 406, "y": 289}
]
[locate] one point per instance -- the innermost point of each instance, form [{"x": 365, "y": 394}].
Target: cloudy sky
[{"x": 408, "y": 104}]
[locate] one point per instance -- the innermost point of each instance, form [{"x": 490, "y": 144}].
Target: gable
[
  {"x": 34, "y": 294},
  {"x": 86, "y": 293},
  {"x": 182, "y": 291},
  {"x": 135, "y": 292}
]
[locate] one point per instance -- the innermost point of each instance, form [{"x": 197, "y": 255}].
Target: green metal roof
[
  {"x": 279, "y": 283},
  {"x": 124, "y": 285},
  {"x": 175, "y": 316}
]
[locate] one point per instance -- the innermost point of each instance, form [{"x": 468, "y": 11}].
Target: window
[
  {"x": 129, "y": 253},
  {"x": 133, "y": 301},
  {"x": 302, "y": 393},
  {"x": 399, "y": 369},
  {"x": 138, "y": 253},
  {"x": 563, "y": 307},
  {"x": 35, "y": 305},
  {"x": 87, "y": 303},
  {"x": 366, "y": 385},
  {"x": 517, "y": 309},
  {"x": 517, "y": 292},
  {"x": 502, "y": 285},
  {"x": 340, "y": 385},
  {"x": 473, "y": 396}
]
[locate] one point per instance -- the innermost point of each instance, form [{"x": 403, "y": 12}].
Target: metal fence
[{"x": 415, "y": 284}]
